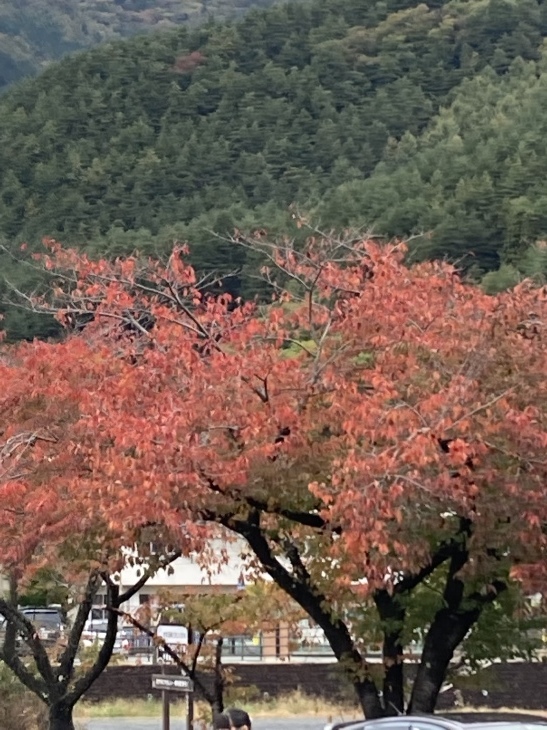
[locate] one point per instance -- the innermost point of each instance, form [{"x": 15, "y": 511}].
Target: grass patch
[
  {"x": 299, "y": 704},
  {"x": 290, "y": 705},
  {"x": 295, "y": 704},
  {"x": 124, "y": 708}
]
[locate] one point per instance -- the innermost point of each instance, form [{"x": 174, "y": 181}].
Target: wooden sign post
[{"x": 171, "y": 683}]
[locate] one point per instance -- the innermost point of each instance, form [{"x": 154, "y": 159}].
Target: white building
[{"x": 224, "y": 571}]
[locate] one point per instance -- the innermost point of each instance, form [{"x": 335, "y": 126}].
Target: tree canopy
[
  {"x": 51, "y": 519},
  {"x": 470, "y": 184},
  {"x": 190, "y": 132},
  {"x": 378, "y": 429}
]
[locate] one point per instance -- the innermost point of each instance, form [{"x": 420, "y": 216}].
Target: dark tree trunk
[
  {"x": 393, "y": 688},
  {"x": 219, "y": 681},
  {"x": 448, "y": 630},
  {"x": 367, "y": 694},
  {"x": 299, "y": 585},
  {"x": 60, "y": 716},
  {"x": 392, "y": 616},
  {"x": 446, "y": 633}
]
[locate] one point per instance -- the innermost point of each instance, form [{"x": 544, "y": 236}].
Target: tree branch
[
  {"x": 300, "y": 588},
  {"x": 314, "y": 602},
  {"x": 199, "y": 646},
  {"x": 302, "y": 517},
  {"x": 189, "y": 671},
  {"x": 84, "y": 682},
  {"x": 445, "y": 551},
  {"x": 26, "y": 629},
  {"x": 148, "y": 573},
  {"x": 66, "y": 663},
  {"x": 8, "y": 654}
]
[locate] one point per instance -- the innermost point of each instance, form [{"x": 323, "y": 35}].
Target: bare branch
[
  {"x": 66, "y": 662},
  {"x": 188, "y": 670},
  {"x": 480, "y": 408},
  {"x": 262, "y": 394},
  {"x": 148, "y": 573}
]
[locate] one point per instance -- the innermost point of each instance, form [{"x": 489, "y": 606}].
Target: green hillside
[
  {"x": 35, "y": 32},
  {"x": 389, "y": 113},
  {"x": 473, "y": 182}
]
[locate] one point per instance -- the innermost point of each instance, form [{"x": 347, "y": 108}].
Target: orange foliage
[
  {"x": 419, "y": 402},
  {"x": 189, "y": 62},
  {"x": 57, "y": 508}
]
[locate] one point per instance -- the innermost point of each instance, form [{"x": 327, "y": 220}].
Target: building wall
[{"x": 190, "y": 574}]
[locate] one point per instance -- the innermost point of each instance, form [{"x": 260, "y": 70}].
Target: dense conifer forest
[
  {"x": 411, "y": 119},
  {"x": 33, "y": 33}
]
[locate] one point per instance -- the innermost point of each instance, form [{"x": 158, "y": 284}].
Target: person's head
[{"x": 233, "y": 719}]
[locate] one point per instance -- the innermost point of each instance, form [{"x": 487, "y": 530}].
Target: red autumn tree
[
  {"x": 52, "y": 517},
  {"x": 374, "y": 428}
]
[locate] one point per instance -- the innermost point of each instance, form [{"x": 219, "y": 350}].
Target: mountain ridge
[{"x": 34, "y": 34}]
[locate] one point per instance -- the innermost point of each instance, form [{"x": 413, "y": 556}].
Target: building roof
[{"x": 193, "y": 570}]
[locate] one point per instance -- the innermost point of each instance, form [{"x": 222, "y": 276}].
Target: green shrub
[{"x": 19, "y": 708}]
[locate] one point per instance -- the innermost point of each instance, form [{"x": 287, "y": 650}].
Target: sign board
[
  {"x": 172, "y": 683},
  {"x": 175, "y": 636}
]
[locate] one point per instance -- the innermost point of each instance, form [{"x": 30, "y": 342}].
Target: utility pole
[
  {"x": 190, "y": 695},
  {"x": 166, "y": 724}
]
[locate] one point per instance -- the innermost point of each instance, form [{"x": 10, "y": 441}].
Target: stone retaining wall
[{"x": 518, "y": 685}]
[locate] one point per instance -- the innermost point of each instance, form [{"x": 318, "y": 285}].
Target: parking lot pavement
[{"x": 299, "y": 723}]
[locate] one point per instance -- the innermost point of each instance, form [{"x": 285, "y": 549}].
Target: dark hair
[
  {"x": 231, "y": 718},
  {"x": 221, "y": 721}
]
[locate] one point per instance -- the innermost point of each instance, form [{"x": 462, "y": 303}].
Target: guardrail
[{"x": 270, "y": 646}]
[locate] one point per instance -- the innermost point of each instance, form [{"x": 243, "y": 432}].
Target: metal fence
[{"x": 278, "y": 645}]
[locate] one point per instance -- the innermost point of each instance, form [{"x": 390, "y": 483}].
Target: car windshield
[
  {"x": 97, "y": 626},
  {"x": 43, "y": 618}
]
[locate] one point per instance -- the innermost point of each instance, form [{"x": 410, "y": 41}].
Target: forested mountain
[
  {"x": 35, "y": 32},
  {"x": 473, "y": 182},
  {"x": 407, "y": 117}
]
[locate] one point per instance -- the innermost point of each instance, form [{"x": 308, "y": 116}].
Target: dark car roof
[
  {"x": 42, "y": 613},
  {"x": 40, "y": 609},
  {"x": 492, "y": 717},
  {"x": 453, "y": 721}
]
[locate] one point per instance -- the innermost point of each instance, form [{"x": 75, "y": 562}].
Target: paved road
[{"x": 178, "y": 724}]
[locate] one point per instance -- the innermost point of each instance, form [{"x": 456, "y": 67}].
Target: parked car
[
  {"x": 128, "y": 640},
  {"x": 94, "y": 629},
  {"x": 448, "y": 721},
  {"x": 49, "y": 622}
]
